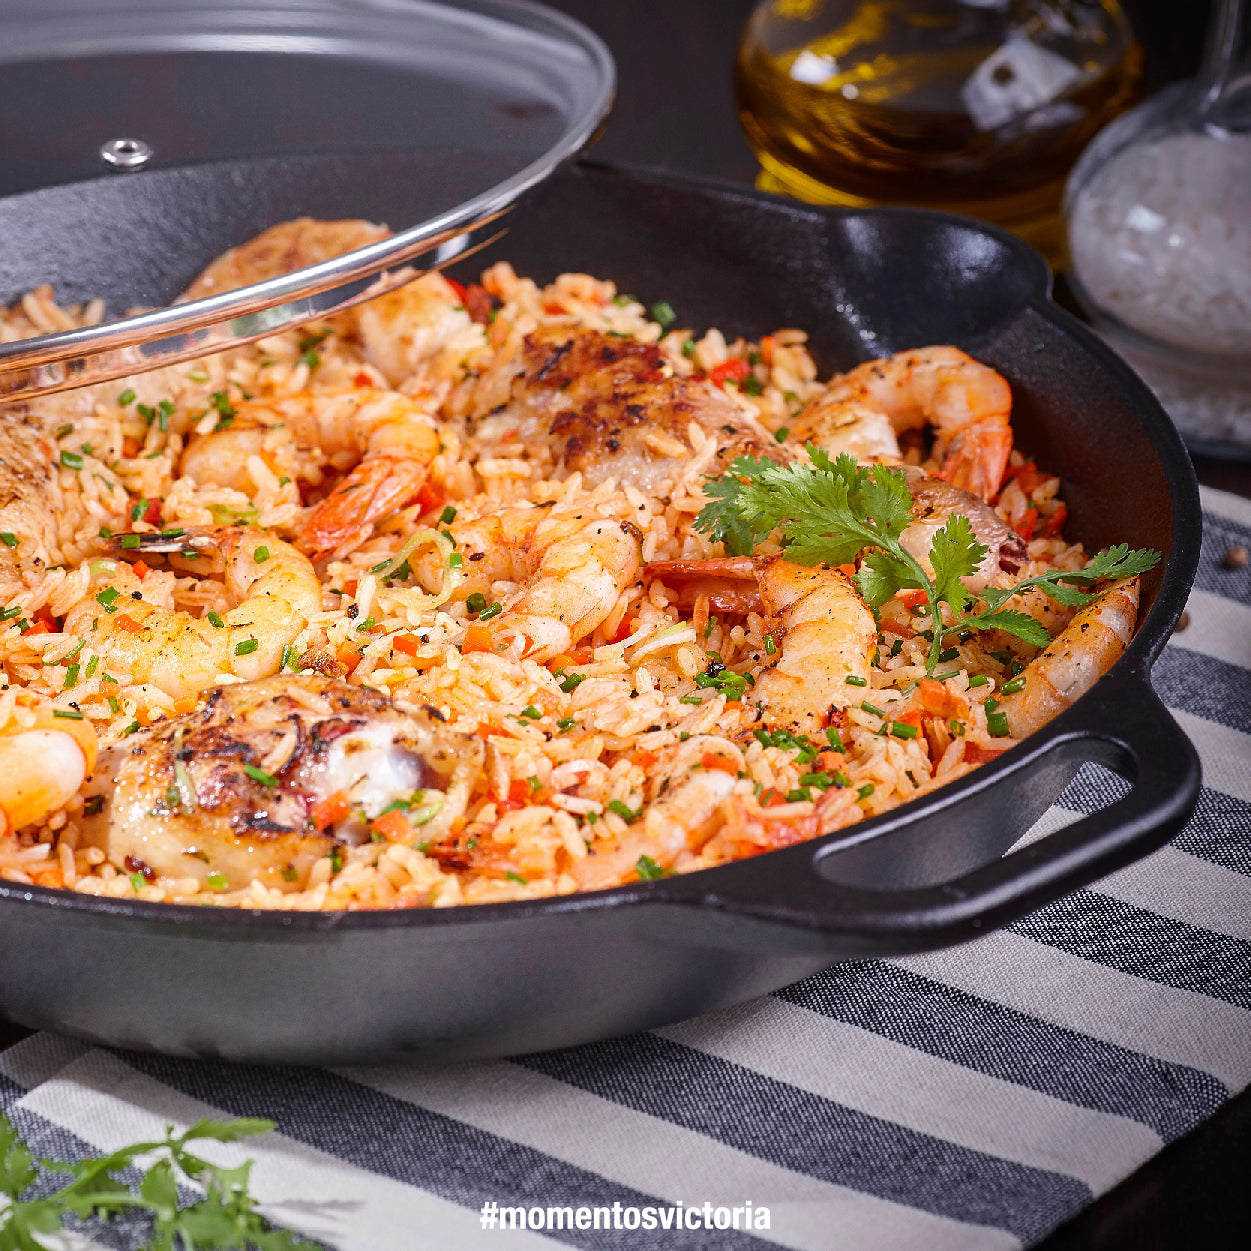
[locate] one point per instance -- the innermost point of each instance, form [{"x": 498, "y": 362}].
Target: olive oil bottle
[{"x": 972, "y": 106}]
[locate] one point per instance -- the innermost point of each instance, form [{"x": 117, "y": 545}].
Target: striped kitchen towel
[{"x": 969, "y": 1098}]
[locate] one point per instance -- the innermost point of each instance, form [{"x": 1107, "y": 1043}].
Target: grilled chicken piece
[
  {"x": 230, "y": 789},
  {"x": 610, "y": 408}
]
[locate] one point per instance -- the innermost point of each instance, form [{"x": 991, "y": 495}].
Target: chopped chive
[
  {"x": 126, "y": 397},
  {"x": 821, "y": 780},
  {"x": 131, "y": 728},
  {"x": 246, "y": 648},
  {"x": 114, "y": 705},
  {"x": 93, "y": 804},
  {"x": 198, "y": 375},
  {"x": 476, "y": 602},
  {"x": 72, "y": 714},
  {"x": 146, "y": 411},
  {"x": 491, "y": 610},
  {"x": 948, "y": 653},
  {"x": 71, "y": 675},
  {"x": 447, "y": 516},
  {"x": 688, "y": 349},
  {"x": 565, "y": 724},
  {"x": 367, "y": 624},
  {"x": 516, "y": 877},
  {"x": 216, "y": 620},
  {"x": 711, "y": 626},
  {"x": 290, "y": 657},
  {"x": 978, "y": 679},
  {"x": 841, "y": 779},
  {"x": 105, "y": 532},
  {"x": 663, "y": 314},
  {"x": 648, "y": 870},
  {"x": 873, "y": 708},
  {"x": 770, "y": 645},
  {"x": 855, "y": 681},
  {"x": 572, "y": 680},
  {"x": 622, "y": 810},
  {"x": 779, "y": 435},
  {"x": 691, "y": 699},
  {"x": 9, "y": 613},
  {"x": 310, "y": 358},
  {"x": 751, "y": 385},
  {"x": 71, "y": 460},
  {"x": 531, "y": 712},
  {"x": 800, "y": 794},
  {"x": 261, "y": 555},
  {"x": 997, "y": 725},
  {"x": 1011, "y": 688},
  {"x": 835, "y": 739},
  {"x": 991, "y": 704},
  {"x": 901, "y": 729},
  {"x": 128, "y": 542},
  {"x": 139, "y": 509},
  {"x": 956, "y": 727},
  {"x": 216, "y": 881},
  {"x": 8, "y": 539},
  {"x": 454, "y": 561},
  {"x": 137, "y": 882},
  {"x": 865, "y": 791},
  {"x": 259, "y": 775}
]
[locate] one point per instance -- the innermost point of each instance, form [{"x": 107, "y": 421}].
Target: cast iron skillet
[{"x": 509, "y": 978}]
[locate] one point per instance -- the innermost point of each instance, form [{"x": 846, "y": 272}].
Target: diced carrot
[
  {"x": 625, "y": 627},
  {"x": 487, "y": 728},
  {"x": 141, "y": 570},
  {"x": 363, "y": 380},
  {"x": 478, "y": 638},
  {"x": 772, "y": 799},
  {"x": 128, "y": 623},
  {"x": 644, "y": 758},
  {"x": 1025, "y": 527},
  {"x": 974, "y": 754},
  {"x": 329, "y": 811},
  {"x": 937, "y": 698},
  {"x": 349, "y": 587},
  {"x": 723, "y": 764},
  {"x": 43, "y": 623},
  {"x": 848, "y": 569},
  {"x": 348, "y": 656},
  {"x": 393, "y": 826},
  {"x": 509, "y": 435},
  {"x": 131, "y": 448},
  {"x": 582, "y": 655},
  {"x": 458, "y": 287},
  {"x": 185, "y": 705},
  {"x": 552, "y": 309},
  {"x": 408, "y": 644},
  {"x": 911, "y": 599},
  {"x": 733, "y": 370},
  {"x": 766, "y": 349},
  {"x": 1055, "y": 523},
  {"x": 828, "y": 761}
]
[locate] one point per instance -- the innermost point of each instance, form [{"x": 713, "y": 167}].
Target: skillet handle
[{"x": 1125, "y": 727}]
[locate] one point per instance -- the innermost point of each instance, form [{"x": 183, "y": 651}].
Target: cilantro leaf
[
  {"x": 880, "y": 576},
  {"x": 1019, "y": 624},
  {"x": 955, "y": 554}
]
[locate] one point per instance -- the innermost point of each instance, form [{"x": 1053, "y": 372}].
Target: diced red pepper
[
  {"x": 733, "y": 370},
  {"x": 644, "y": 758},
  {"x": 458, "y": 287},
  {"x": 911, "y": 599},
  {"x": 518, "y": 796},
  {"x": 723, "y": 764},
  {"x": 1055, "y": 523},
  {"x": 141, "y": 570},
  {"x": 128, "y": 623},
  {"x": 407, "y": 644},
  {"x": 153, "y": 514},
  {"x": 935, "y": 697},
  {"x": 625, "y": 627},
  {"x": 478, "y": 639},
  {"x": 363, "y": 379},
  {"x": 975, "y": 754},
  {"x": 1025, "y": 527}
]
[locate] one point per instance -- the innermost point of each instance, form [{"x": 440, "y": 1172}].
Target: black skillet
[{"x": 509, "y": 978}]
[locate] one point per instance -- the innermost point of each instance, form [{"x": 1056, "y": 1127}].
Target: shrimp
[
  {"x": 266, "y": 777},
  {"x": 572, "y": 567},
  {"x": 824, "y": 631},
  {"x": 276, "y": 590},
  {"x": 968, "y": 403},
  {"x": 391, "y": 440},
  {"x": 44, "y": 759},
  {"x": 1074, "y": 660}
]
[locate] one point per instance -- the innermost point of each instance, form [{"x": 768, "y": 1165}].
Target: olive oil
[{"x": 970, "y": 106}]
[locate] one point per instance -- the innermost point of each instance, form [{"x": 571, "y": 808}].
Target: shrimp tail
[
  {"x": 977, "y": 459},
  {"x": 376, "y": 488}
]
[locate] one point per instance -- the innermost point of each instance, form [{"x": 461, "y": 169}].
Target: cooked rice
[{"x": 551, "y": 798}]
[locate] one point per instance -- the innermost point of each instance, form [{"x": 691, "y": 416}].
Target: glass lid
[{"x": 146, "y": 137}]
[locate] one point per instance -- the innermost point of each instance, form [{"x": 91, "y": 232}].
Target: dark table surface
[{"x": 675, "y": 111}]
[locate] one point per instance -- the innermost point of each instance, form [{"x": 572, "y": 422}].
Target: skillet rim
[{"x": 698, "y": 890}]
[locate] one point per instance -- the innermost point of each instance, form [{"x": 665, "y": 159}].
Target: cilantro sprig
[
  {"x": 835, "y": 511},
  {"x": 225, "y": 1218}
]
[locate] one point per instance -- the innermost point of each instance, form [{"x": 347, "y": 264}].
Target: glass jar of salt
[{"x": 1158, "y": 212}]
